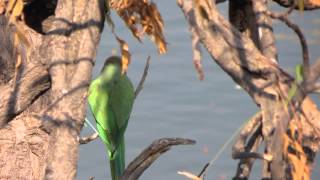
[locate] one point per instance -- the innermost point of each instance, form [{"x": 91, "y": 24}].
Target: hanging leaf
[
  {"x": 17, "y": 9},
  {"x": 2, "y": 7},
  {"x": 10, "y": 6},
  {"x": 142, "y": 17},
  {"x": 301, "y": 5},
  {"x": 14, "y": 10},
  {"x": 125, "y": 54},
  {"x": 299, "y": 73}
]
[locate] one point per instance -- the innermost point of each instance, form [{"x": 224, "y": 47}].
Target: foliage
[
  {"x": 136, "y": 13},
  {"x": 13, "y": 9}
]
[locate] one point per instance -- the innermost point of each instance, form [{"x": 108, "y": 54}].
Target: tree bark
[{"x": 39, "y": 134}]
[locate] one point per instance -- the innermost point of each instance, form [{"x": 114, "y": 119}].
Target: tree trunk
[{"x": 44, "y": 104}]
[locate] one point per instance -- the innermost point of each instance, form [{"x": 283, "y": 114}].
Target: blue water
[{"x": 174, "y": 103}]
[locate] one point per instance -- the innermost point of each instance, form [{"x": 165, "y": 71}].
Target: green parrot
[{"x": 111, "y": 97}]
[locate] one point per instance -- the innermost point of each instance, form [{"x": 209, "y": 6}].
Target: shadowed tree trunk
[{"x": 47, "y": 98}]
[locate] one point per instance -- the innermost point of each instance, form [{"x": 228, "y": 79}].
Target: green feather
[{"x": 111, "y": 97}]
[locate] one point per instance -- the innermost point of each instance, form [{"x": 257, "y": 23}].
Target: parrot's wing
[
  {"x": 121, "y": 101},
  {"x": 98, "y": 100}
]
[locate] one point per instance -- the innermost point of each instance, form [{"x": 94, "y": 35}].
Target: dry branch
[
  {"x": 87, "y": 139},
  {"x": 143, "y": 78},
  {"x": 150, "y": 154},
  {"x": 240, "y": 144},
  {"x": 305, "y": 53},
  {"x": 265, "y": 30},
  {"x": 308, "y": 4}
]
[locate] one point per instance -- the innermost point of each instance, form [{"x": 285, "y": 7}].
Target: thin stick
[
  {"x": 150, "y": 154},
  {"x": 91, "y": 125},
  {"x": 305, "y": 52},
  {"x": 221, "y": 150},
  {"x": 95, "y": 135},
  {"x": 87, "y": 139},
  {"x": 143, "y": 78}
]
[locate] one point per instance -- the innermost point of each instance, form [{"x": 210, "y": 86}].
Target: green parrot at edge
[{"x": 111, "y": 97}]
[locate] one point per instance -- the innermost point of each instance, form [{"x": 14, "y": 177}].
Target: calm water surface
[{"x": 174, "y": 103}]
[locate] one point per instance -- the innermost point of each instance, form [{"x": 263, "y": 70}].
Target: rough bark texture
[
  {"x": 266, "y": 40},
  {"x": 31, "y": 144}
]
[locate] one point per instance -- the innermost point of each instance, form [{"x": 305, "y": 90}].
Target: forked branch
[{"x": 150, "y": 154}]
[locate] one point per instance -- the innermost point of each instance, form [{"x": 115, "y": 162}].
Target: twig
[
  {"x": 143, "y": 78},
  {"x": 311, "y": 84},
  {"x": 87, "y": 139},
  {"x": 308, "y": 4},
  {"x": 305, "y": 53},
  {"x": 150, "y": 154},
  {"x": 221, "y": 150},
  {"x": 250, "y": 127},
  {"x": 245, "y": 165},
  {"x": 95, "y": 135},
  {"x": 189, "y": 175}
]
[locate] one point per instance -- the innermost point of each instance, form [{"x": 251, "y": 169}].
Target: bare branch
[
  {"x": 87, "y": 139},
  {"x": 305, "y": 53},
  {"x": 235, "y": 53},
  {"x": 247, "y": 130},
  {"x": 150, "y": 154},
  {"x": 310, "y": 83},
  {"x": 308, "y": 4},
  {"x": 143, "y": 78},
  {"x": 265, "y": 30}
]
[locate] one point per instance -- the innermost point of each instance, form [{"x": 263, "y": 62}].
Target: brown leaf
[
  {"x": 125, "y": 54},
  {"x": 142, "y": 17},
  {"x": 298, "y": 159},
  {"x": 2, "y": 7},
  {"x": 14, "y": 9}
]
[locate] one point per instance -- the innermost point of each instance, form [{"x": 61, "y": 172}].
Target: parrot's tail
[{"x": 117, "y": 161}]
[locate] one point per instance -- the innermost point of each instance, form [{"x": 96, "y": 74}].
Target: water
[{"x": 174, "y": 103}]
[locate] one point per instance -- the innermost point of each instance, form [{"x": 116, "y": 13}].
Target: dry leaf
[
  {"x": 14, "y": 10},
  {"x": 142, "y": 17},
  {"x": 17, "y": 9},
  {"x": 125, "y": 54},
  {"x": 2, "y": 7},
  {"x": 315, "y": 2},
  {"x": 298, "y": 159}
]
